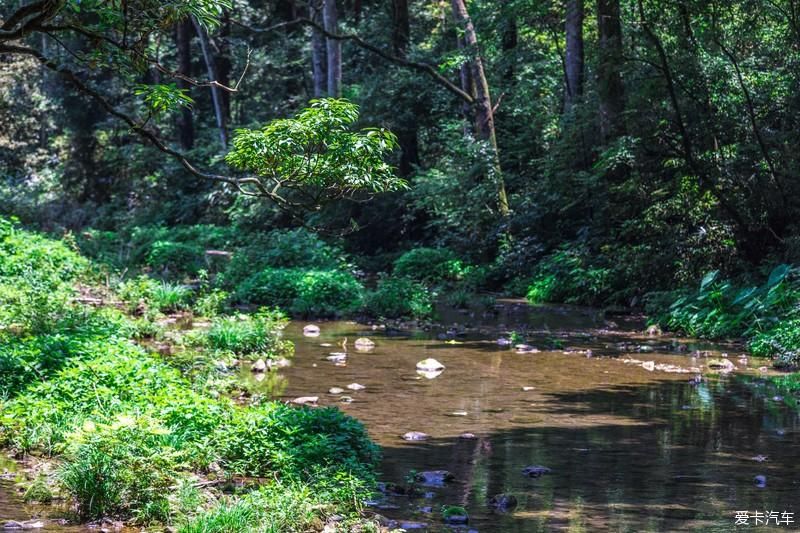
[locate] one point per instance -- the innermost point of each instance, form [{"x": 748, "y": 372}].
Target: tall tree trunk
[
  {"x": 509, "y": 43},
  {"x": 574, "y": 57},
  {"x": 406, "y": 130},
  {"x": 483, "y": 111},
  {"x": 318, "y": 59},
  {"x": 330, "y": 17},
  {"x": 216, "y": 96},
  {"x": 610, "y": 89},
  {"x": 467, "y": 82},
  {"x": 223, "y": 62},
  {"x": 183, "y": 39}
]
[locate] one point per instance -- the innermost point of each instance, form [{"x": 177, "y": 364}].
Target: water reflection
[{"x": 630, "y": 449}]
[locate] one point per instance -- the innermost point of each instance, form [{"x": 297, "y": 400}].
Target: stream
[{"x": 638, "y": 432}]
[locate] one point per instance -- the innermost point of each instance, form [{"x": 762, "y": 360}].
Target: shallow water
[{"x": 630, "y": 449}]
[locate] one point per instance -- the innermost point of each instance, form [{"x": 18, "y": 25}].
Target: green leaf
[{"x": 778, "y": 274}]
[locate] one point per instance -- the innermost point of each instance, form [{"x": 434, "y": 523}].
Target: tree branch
[{"x": 421, "y": 67}]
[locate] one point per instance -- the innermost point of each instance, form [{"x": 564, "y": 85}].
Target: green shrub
[
  {"x": 781, "y": 341},
  {"x": 159, "y": 296},
  {"x": 307, "y": 293},
  {"x": 566, "y": 276},
  {"x": 431, "y": 265},
  {"x": 116, "y": 377},
  {"x": 297, "y": 248},
  {"x": 177, "y": 257},
  {"x": 296, "y": 441},
  {"x": 211, "y": 303},
  {"x": 38, "y": 492},
  {"x": 399, "y": 297},
  {"x": 327, "y": 293},
  {"x": 124, "y": 468},
  {"x": 259, "y": 334}
]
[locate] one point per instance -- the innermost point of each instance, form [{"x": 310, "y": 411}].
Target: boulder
[
  {"x": 306, "y": 400},
  {"x": 311, "y": 330},
  {"x": 430, "y": 365},
  {"x": 503, "y": 502},
  {"x": 259, "y": 366},
  {"x": 415, "y": 436},
  {"x": 535, "y": 471},
  {"x": 364, "y": 344}
]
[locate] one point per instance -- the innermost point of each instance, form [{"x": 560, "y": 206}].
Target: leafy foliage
[
  {"x": 399, "y": 297},
  {"x": 259, "y": 334}
]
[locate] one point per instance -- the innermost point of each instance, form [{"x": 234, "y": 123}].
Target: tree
[
  {"x": 574, "y": 57},
  {"x": 183, "y": 38},
  {"x": 318, "y": 55},
  {"x": 610, "y": 89},
  {"x": 483, "y": 111},
  {"x": 330, "y": 15}
]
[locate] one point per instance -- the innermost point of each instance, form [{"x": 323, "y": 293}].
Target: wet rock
[
  {"x": 364, "y": 344},
  {"x": 430, "y": 365},
  {"x": 12, "y": 525},
  {"x": 337, "y": 357},
  {"x": 415, "y": 436},
  {"x": 409, "y": 526},
  {"x": 527, "y": 389},
  {"x": 468, "y": 436},
  {"x": 649, "y": 365},
  {"x": 653, "y": 330},
  {"x": 346, "y": 399},
  {"x": 259, "y": 366},
  {"x": 525, "y": 348},
  {"x": 281, "y": 362},
  {"x": 503, "y": 502},
  {"x": 454, "y": 515},
  {"x": 430, "y": 374},
  {"x": 502, "y": 341},
  {"x": 459, "y": 413},
  {"x": 434, "y": 478},
  {"x": 535, "y": 471},
  {"x": 306, "y": 400},
  {"x": 760, "y": 481},
  {"x": 427, "y": 509},
  {"x": 759, "y": 458},
  {"x": 336, "y": 390},
  {"x": 723, "y": 365},
  {"x": 311, "y": 330},
  {"x": 356, "y": 386}
]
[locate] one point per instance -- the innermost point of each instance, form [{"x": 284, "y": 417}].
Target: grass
[{"x": 130, "y": 430}]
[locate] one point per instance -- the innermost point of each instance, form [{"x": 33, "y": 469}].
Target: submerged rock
[
  {"x": 346, "y": 399},
  {"x": 503, "y": 342},
  {"x": 535, "y": 471},
  {"x": 306, "y": 400},
  {"x": 337, "y": 357},
  {"x": 311, "y": 330},
  {"x": 415, "y": 436},
  {"x": 435, "y": 478},
  {"x": 525, "y": 348},
  {"x": 503, "y": 502},
  {"x": 468, "y": 436},
  {"x": 259, "y": 366},
  {"x": 356, "y": 386},
  {"x": 336, "y": 390},
  {"x": 430, "y": 365}
]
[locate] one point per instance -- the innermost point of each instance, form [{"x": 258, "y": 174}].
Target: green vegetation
[
  {"x": 764, "y": 314},
  {"x": 257, "y": 335},
  {"x": 127, "y": 426},
  {"x": 399, "y": 297}
]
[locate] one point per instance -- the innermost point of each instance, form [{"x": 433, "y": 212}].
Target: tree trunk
[
  {"x": 574, "y": 57},
  {"x": 509, "y": 42},
  {"x": 609, "y": 77},
  {"x": 216, "y": 97},
  {"x": 483, "y": 112},
  {"x": 223, "y": 62},
  {"x": 183, "y": 39},
  {"x": 406, "y": 130},
  {"x": 317, "y": 50},
  {"x": 330, "y": 17}
]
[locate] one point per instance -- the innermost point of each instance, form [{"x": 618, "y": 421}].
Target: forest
[{"x": 550, "y": 242}]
